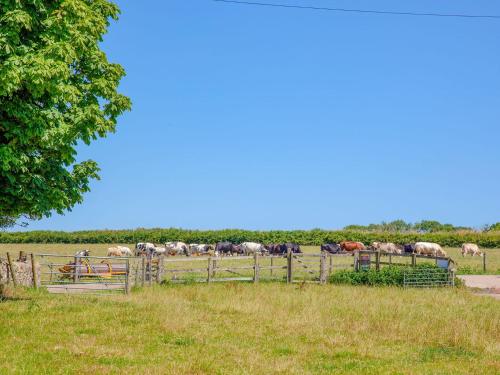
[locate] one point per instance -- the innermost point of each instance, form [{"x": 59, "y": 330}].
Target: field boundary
[{"x": 108, "y": 275}]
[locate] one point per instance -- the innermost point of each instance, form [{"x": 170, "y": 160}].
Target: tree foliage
[
  {"x": 494, "y": 227},
  {"x": 56, "y": 88},
  {"x": 424, "y": 226}
]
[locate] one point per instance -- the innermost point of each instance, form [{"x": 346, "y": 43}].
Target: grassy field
[
  {"x": 253, "y": 329},
  {"x": 242, "y": 328},
  {"x": 465, "y": 265}
]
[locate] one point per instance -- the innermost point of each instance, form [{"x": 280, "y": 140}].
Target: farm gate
[{"x": 78, "y": 274}]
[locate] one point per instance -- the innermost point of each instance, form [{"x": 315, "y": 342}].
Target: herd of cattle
[{"x": 249, "y": 248}]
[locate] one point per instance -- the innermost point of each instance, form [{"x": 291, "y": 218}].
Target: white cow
[
  {"x": 429, "y": 248},
  {"x": 386, "y": 247},
  {"x": 114, "y": 252},
  {"x": 159, "y": 250},
  {"x": 177, "y": 248},
  {"x": 144, "y": 248},
  {"x": 198, "y": 249},
  {"x": 126, "y": 252},
  {"x": 471, "y": 248},
  {"x": 82, "y": 253},
  {"x": 252, "y": 248}
]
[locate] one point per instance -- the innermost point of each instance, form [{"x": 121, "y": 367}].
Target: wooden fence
[{"x": 73, "y": 274}]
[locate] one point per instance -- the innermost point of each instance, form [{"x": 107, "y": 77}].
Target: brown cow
[{"x": 352, "y": 246}]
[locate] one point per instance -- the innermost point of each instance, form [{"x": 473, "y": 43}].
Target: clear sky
[{"x": 266, "y": 118}]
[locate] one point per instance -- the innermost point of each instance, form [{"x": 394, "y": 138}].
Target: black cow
[
  {"x": 294, "y": 248},
  {"x": 277, "y": 248},
  {"x": 271, "y": 247},
  {"x": 409, "y": 248},
  {"x": 332, "y": 248},
  {"x": 225, "y": 248}
]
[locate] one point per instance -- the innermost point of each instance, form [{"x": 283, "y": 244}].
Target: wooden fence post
[
  {"x": 377, "y": 260},
  {"x": 33, "y": 270},
  {"x": 484, "y": 261},
  {"x": 159, "y": 269},
  {"x": 136, "y": 282},
  {"x": 210, "y": 269},
  {"x": 11, "y": 268},
  {"x": 255, "y": 267},
  {"x": 322, "y": 268},
  {"x": 390, "y": 259},
  {"x": 76, "y": 269},
  {"x": 413, "y": 260},
  {"x": 289, "y": 263},
  {"x": 150, "y": 269},
  {"x": 214, "y": 268},
  {"x": 330, "y": 270},
  {"x": 143, "y": 270},
  {"x": 127, "y": 274},
  {"x": 356, "y": 261},
  {"x": 272, "y": 265}
]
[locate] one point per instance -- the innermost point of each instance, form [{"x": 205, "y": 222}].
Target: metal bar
[
  {"x": 33, "y": 271},
  {"x": 12, "y": 273}
]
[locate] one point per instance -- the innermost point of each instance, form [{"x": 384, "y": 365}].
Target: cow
[
  {"x": 227, "y": 248},
  {"x": 276, "y": 248},
  {"x": 82, "y": 253},
  {"x": 115, "y": 252},
  {"x": 332, "y": 248},
  {"x": 293, "y": 247},
  {"x": 409, "y": 248},
  {"x": 270, "y": 247},
  {"x": 177, "y": 248},
  {"x": 351, "y": 246},
  {"x": 159, "y": 250},
  {"x": 125, "y": 251},
  {"x": 144, "y": 248},
  {"x": 198, "y": 249},
  {"x": 471, "y": 248},
  {"x": 429, "y": 248},
  {"x": 386, "y": 247},
  {"x": 252, "y": 248}
]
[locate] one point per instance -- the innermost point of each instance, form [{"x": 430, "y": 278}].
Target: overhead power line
[{"x": 276, "y": 5}]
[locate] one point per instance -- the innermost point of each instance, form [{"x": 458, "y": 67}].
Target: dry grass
[{"x": 253, "y": 329}]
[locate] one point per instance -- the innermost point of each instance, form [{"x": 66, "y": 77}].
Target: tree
[
  {"x": 56, "y": 88},
  {"x": 494, "y": 227}
]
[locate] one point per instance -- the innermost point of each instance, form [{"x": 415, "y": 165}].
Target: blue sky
[{"x": 261, "y": 118}]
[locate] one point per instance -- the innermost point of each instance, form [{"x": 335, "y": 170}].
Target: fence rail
[{"x": 102, "y": 275}]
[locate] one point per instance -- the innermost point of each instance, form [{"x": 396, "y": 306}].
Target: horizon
[{"x": 258, "y": 118}]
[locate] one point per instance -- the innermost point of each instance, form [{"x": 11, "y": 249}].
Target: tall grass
[{"x": 253, "y": 329}]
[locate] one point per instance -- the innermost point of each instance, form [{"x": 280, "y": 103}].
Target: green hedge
[
  {"x": 303, "y": 237},
  {"x": 386, "y": 276}
]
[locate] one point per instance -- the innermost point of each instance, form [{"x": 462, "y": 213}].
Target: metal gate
[
  {"x": 417, "y": 277},
  {"x": 78, "y": 274}
]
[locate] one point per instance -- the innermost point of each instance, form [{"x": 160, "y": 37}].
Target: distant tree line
[{"x": 424, "y": 226}]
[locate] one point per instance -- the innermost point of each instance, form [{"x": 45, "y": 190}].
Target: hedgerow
[
  {"x": 386, "y": 276},
  {"x": 303, "y": 237}
]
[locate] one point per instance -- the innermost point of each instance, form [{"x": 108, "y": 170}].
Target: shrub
[{"x": 392, "y": 275}]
